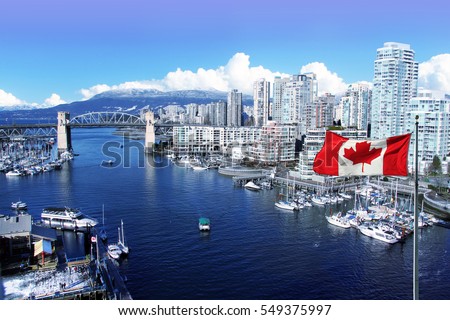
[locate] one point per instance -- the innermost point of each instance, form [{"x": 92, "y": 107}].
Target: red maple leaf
[{"x": 362, "y": 154}]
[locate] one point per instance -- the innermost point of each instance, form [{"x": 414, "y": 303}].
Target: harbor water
[{"x": 253, "y": 251}]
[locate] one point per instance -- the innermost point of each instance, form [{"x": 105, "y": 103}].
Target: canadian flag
[{"x": 341, "y": 156}]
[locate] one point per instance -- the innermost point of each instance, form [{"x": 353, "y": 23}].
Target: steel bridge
[
  {"x": 106, "y": 119},
  {"x": 27, "y": 130},
  {"x": 92, "y": 119}
]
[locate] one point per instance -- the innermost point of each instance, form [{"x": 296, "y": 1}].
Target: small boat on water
[
  {"x": 318, "y": 200},
  {"x": 204, "y": 224},
  {"x": 14, "y": 173},
  {"x": 378, "y": 234},
  {"x": 252, "y": 186},
  {"x": 199, "y": 167},
  {"x": 114, "y": 251},
  {"x": 345, "y": 195},
  {"x": 338, "y": 220},
  {"x": 284, "y": 205},
  {"x": 67, "y": 218},
  {"x": 19, "y": 205}
]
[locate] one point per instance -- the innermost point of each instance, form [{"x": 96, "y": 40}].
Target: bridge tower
[
  {"x": 149, "y": 132},
  {"x": 64, "y": 136}
]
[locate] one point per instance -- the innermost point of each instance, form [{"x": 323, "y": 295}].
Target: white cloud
[
  {"x": 53, "y": 100},
  {"x": 434, "y": 74},
  {"x": 328, "y": 82},
  {"x": 9, "y": 100},
  {"x": 92, "y": 91},
  {"x": 236, "y": 74}
]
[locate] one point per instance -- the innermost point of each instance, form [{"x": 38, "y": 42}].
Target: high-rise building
[
  {"x": 278, "y": 88},
  {"x": 291, "y": 96},
  {"x": 220, "y": 113},
  {"x": 323, "y": 106},
  {"x": 261, "y": 102},
  {"x": 354, "y": 107},
  {"x": 394, "y": 84},
  {"x": 434, "y": 127},
  {"x": 234, "y": 109}
]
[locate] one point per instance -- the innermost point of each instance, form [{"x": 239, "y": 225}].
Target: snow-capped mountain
[{"x": 131, "y": 101}]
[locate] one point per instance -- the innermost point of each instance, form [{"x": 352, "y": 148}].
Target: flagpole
[{"x": 416, "y": 218}]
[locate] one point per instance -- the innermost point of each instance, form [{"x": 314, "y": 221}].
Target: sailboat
[
  {"x": 285, "y": 204},
  {"x": 102, "y": 231},
  {"x": 121, "y": 243}
]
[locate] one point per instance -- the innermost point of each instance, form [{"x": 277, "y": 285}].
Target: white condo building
[
  {"x": 261, "y": 102},
  {"x": 276, "y": 143},
  {"x": 291, "y": 96},
  {"x": 434, "y": 128},
  {"x": 354, "y": 107},
  {"x": 269, "y": 143},
  {"x": 323, "y": 108},
  {"x": 394, "y": 84}
]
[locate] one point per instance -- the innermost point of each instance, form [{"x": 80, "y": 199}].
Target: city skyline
[{"x": 54, "y": 53}]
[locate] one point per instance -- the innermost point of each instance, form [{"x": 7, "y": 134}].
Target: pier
[
  {"x": 107, "y": 268},
  {"x": 242, "y": 180}
]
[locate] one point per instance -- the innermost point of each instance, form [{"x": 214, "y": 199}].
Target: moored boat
[
  {"x": 14, "y": 173},
  {"x": 338, "y": 220},
  {"x": 378, "y": 234},
  {"x": 121, "y": 242},
  {"x": 199, "y": 167},
  {"x": 67, "y": 218},
  {"x": 345, "y": 195},
  {"x": 284, "y": 205},
  {"x": 318, "y": 200},
  {"x": 114, "y": 251},
  {"x": 19, "y": 205},
  {"x": 252, "y": 186}
]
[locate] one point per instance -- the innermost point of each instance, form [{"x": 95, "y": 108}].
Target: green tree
[{"x": 436, "y": 166}]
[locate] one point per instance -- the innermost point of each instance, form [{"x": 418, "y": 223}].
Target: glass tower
[{"x": 394, "y": 84}]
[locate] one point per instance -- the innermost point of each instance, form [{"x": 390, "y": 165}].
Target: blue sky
[{"x": 59, "y": 48}]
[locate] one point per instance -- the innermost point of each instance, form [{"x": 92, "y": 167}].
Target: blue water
[{"x": 254, "y": 250}]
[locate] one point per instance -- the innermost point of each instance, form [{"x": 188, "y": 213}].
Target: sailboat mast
[{"x": 123, "y": 237}]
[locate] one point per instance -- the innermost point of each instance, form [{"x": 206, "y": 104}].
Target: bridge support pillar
[
  {"x": 64, "y": 136},
  {"x": 149, "y": 132}
]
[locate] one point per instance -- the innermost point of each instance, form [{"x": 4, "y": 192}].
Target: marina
[{"x": 255, "y": 250}]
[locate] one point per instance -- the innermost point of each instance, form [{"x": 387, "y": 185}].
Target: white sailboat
[
  {"x": 285, "y": 204},
  {"x": 121, "y": 243},
  {"x": 114, "y": 251}
]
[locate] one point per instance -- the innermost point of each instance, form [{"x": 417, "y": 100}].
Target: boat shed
[
  {"x": 15, "y": 239},
  {"x": 43, "y": 233},
  {"x": 15, "y": 226}
]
